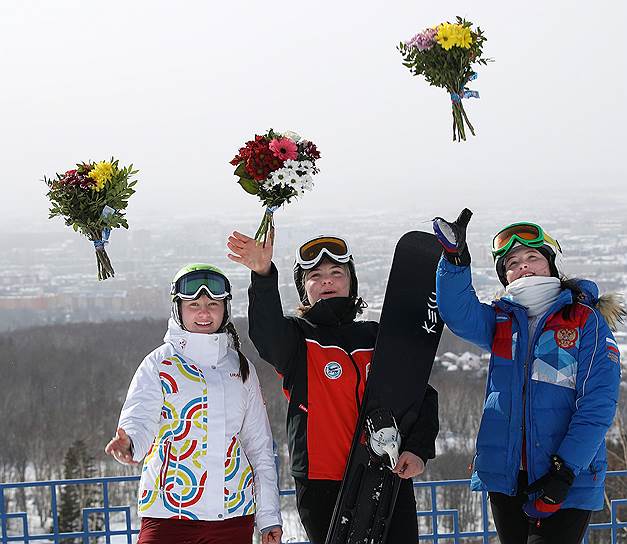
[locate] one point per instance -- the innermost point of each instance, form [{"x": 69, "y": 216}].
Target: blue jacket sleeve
[
  {"x": 598, "y": 381},
  {"x": 459, "y": 306}
]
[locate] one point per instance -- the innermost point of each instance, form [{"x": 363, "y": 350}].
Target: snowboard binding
[{"x": 383, "y": 439}]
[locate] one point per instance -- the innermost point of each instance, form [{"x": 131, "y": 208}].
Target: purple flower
[{"x": 423, "y": 40}]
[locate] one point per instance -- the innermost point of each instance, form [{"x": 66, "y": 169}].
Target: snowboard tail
[{"x": 407, "y": 340}]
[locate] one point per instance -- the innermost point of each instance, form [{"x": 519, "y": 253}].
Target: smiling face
[
  {"x": 327, "y": 280},
  {"x": 525, "y": 261},
  {"x": 202, "y": 315}
]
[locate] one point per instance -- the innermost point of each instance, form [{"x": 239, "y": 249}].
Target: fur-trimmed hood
[{"x": 612, "y": 308}]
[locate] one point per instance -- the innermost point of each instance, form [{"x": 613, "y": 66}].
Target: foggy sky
[{"x": 177, "y": 87}]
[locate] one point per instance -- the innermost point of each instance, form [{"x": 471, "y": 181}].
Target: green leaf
[
  {"x": 249, "y": 185},
  {"x": 240, "y": 171}
]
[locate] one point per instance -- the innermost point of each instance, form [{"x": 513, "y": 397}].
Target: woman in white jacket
[{"x": 194, "y": 413}]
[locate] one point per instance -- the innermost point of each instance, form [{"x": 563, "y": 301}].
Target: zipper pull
[{"x": 471, "y": 465}]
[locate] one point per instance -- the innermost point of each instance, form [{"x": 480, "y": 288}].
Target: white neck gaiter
[{"x": 536, "y": 293}]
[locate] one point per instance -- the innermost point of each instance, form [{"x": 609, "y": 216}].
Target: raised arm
[
  {"x": 277, "y": 338},
  {"x": 457, "y": 301}
]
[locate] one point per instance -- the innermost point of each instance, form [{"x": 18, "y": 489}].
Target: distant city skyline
[{"x": 50, "y": 277}]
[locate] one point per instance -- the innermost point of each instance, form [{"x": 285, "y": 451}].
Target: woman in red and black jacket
[{"x": 323, "y": 357}]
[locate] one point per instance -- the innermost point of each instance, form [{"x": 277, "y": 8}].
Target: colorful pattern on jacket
[{"x": 175, "y": 469}]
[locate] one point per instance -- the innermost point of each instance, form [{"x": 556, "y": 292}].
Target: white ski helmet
[{"x": 194, "y": 280}]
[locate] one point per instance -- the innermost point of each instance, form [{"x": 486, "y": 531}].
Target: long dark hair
[
  {"x": 578, "y": 295},
  {"x": 244, "y": 369}
]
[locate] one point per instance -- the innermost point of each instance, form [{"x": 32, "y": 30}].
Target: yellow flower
[
  {"x": 446, "y": 36},
  {"x": 464, "y": 38},
  {"x": 101, "y": 173},
  {"x": 453, "y": 35}
]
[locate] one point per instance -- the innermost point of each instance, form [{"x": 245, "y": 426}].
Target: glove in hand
[
  {"x": 554, "y": 487},
  {"x": 452, "y": 237}
]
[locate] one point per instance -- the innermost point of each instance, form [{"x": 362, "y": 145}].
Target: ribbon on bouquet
[
  {"x": 465, "y": 92},
  {"x": 106, "y": 232}
]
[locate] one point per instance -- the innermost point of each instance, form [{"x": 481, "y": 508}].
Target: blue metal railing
[{"x": 430, "y": 517}]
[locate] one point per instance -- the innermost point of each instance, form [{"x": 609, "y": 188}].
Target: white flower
[
  {"x": 277, "y": 177},
  {"x": 291, "y": 135},
  {"x": 301, "y": 167},
  {"x": 295, "y": 175}
]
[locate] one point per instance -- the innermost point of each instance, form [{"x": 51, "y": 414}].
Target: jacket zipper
[
  {"x": 471, "y": 465},
  {"x": 163, "y": 473},
  {"x": 524, "y": 459},
  {"x": 526, "y": 462},
  {"x": 357, "y": 401}
]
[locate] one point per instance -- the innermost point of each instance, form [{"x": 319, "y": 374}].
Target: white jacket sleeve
[
  {"x": 256, "y": 439},
  {"x": 141, "y": 412}
]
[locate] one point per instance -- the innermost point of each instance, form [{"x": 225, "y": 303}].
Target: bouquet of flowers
[
  {"x": 444, "y": 55},
  {"x": 275, "y": 167},
  {"x": 92, "y": 198}
]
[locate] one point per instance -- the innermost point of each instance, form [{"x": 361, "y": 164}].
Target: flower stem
[{"x": 472, "y": 130}]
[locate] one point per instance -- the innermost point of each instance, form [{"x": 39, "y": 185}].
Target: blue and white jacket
[{"x": 567, "y": 387}]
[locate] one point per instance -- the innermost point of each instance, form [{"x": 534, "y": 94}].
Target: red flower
[
  {"x": 310, "y": 150},
  {"x": 258, "y": 158},
  {"x": 73, "y": 178},
  {"x": 242, "y": 155}
]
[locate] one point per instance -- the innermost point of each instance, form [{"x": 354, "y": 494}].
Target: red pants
[{"x": 238, "y": 530}]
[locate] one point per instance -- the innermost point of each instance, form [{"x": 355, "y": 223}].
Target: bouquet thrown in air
[
  {"x": 275, "y": 167},
  {"x": 92, "y": 198},
  {"x": 444, "y": 55}
]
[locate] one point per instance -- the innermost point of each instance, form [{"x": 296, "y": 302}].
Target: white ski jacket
[{"x": 203, "y": 432}]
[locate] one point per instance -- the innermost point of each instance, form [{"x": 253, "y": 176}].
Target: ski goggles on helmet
[
  {"x": 527, "y": 234},
  {"x": 312, "y": 252},
  {"x": 191, "y": 285}
]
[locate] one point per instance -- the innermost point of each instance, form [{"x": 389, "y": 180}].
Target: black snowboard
[{"x": 408, "y": 337}]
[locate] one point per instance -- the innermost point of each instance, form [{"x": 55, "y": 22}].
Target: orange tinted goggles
[
  {"x": 310, "y": 253},
  {"x": 527, "y": 234}
]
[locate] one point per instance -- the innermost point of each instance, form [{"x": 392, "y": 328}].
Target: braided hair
[{"x": 244, "y": 369}]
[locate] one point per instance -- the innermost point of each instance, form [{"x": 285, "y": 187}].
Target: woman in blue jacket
[{"x": 552, "y": 385}]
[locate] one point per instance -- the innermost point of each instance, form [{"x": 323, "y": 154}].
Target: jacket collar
[
  {"x": 332, "y": 312},
  {"x": 565, "y": 298},
  {"x": 202, "y": 349}
]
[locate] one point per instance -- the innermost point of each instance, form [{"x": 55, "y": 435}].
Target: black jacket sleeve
[
  {"x": 278, "y": 339},
  {"x": 421, "y": 437}
]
